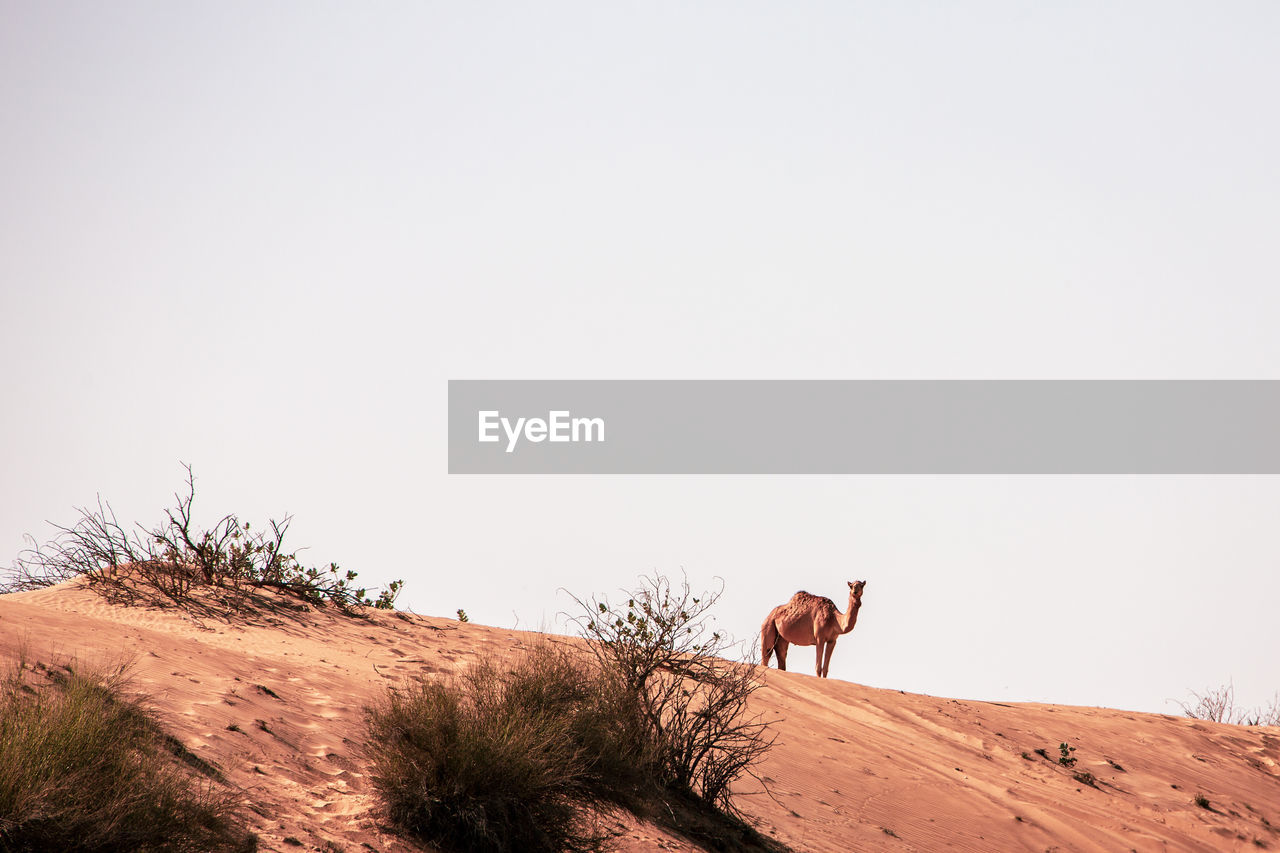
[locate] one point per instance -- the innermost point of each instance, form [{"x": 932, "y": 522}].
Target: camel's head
[{"x": 856, "y": 588}]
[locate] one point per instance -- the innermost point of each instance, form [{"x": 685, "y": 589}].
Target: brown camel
[{"x": 809, "y": 620}]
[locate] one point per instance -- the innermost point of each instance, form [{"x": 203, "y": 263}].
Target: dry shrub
[
  {"x": 166, "y": 563},
  {"x": 692, "y": 700},
  {"x": 1218, "y": 705}
]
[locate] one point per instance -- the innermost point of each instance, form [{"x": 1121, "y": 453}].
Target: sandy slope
[{"x": 276, "y": 704}]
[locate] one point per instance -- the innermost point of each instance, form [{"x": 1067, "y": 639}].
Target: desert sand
[{"x": 275, "y": 701}]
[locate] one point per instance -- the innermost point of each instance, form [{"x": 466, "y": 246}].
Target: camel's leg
[
  {"x": 818, "y": 647},
  {"x": 781, "y": 648},
  {"x": 825, "y": 663},
  {"x": 768, "y": 639}
]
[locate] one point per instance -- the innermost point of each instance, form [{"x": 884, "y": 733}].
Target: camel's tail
[{"x": 768, "y": 640}]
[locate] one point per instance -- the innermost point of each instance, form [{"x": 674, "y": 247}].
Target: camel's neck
[{"x": 850, "y": 617}]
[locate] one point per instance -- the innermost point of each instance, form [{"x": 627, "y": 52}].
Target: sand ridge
[{"x": 275, "y": 701}]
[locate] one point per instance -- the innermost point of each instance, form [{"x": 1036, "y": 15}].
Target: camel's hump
[{"x": 806, "y": 599}]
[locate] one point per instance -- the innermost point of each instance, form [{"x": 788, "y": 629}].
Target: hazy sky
[{"x": 260, "y": 238}]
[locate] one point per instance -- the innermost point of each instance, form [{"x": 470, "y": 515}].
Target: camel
[{"x": 809, "y": 620}]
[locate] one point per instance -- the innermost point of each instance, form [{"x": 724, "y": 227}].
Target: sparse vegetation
[
  {"x": 462, "y": 615},
  {"x": 86, "y": 768},
  {"x": 1218, "y": 705},
  {"x": 1203, "y": 802},
  {"x": 1065, "y": 758},
  {"x": 166, "y": 563},
  {"x": 527, "y": 758}
]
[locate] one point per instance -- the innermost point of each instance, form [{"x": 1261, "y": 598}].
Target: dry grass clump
[
  {"x": 85, "y": 768},
  {"x": 493, "y": 761}
]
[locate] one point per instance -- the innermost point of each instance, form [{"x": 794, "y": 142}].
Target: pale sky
[{"x": 260, "y": 238}]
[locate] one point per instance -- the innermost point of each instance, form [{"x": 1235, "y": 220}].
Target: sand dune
[{"x": 276, "y": 703}]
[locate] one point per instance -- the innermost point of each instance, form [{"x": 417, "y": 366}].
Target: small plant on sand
[
  {"x": 1203, "y": 802},
  {"x": 167, "y": 563},
  {"x": 1066, "y": 759},
  {"x": 83, "y": 767},
  {"x": 462, "y": 615},
  {"x": 1086, "y": 778}
]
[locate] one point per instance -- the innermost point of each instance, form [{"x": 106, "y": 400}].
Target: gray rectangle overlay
[{"x": 870, "y": 427}]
